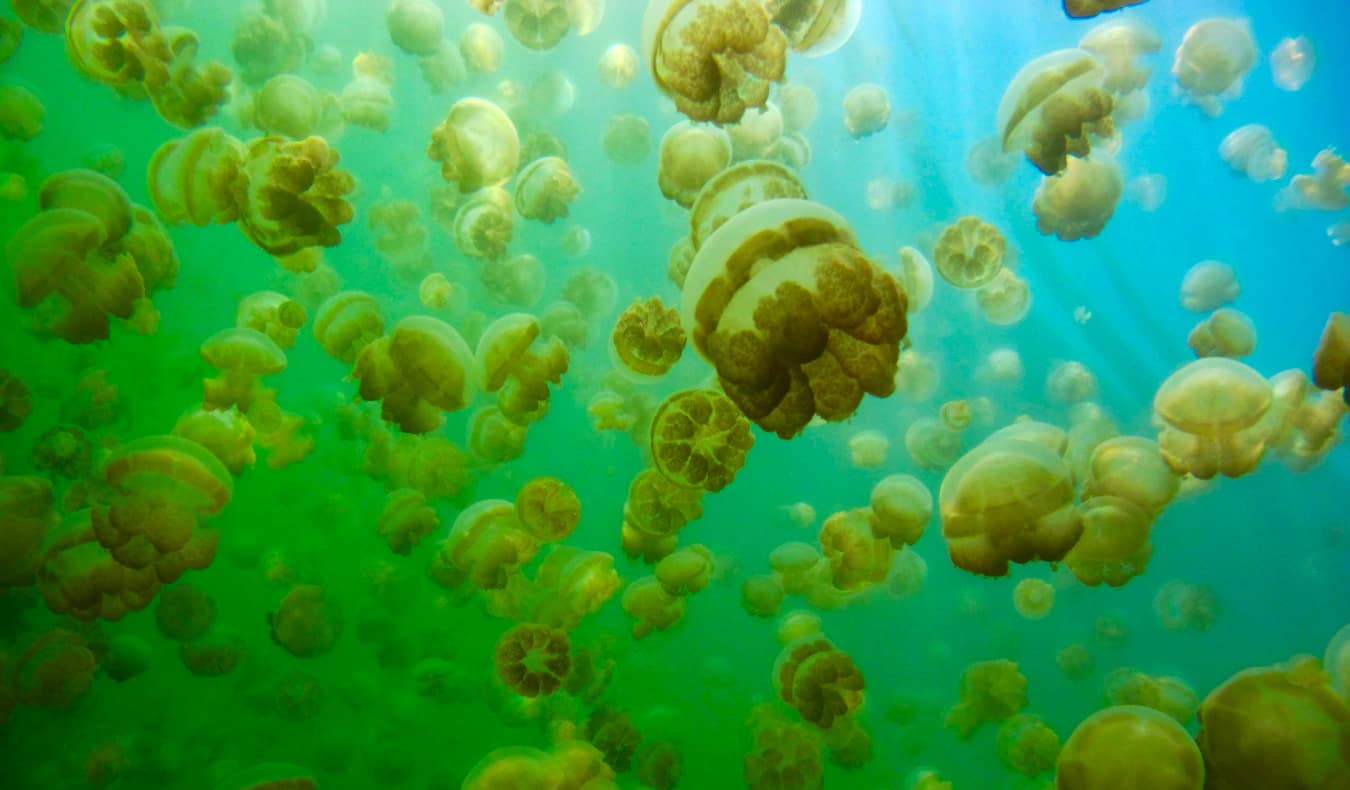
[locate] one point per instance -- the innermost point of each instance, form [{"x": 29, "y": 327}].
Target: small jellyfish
[
  {"x": 901, "y": 507},
  {"x": 184, "y": 612},
  {"x": 415, "y": 26},
  {"x": 545, "y": 188},
  {"x": 1326, "y": 189},
  {"x": 1033, "y": 598},
  {"x": 1026, "y": 744},
  {"x": 618, "y": 66},
  {"x": 700, "y": 439},
  {"x": 533, "y": 660},
  {"x": 648, "y": 337},
  {"x": 970, "y": 252},
  {"x": 867, "y": 449},
  {"x": 1209, "y": 285},
  {"x": 1077, "y": 202},
  {"x": 1225, "y": 333},
  {"x": 867, "y": 110},
  {"x": 627, "y": 139},
  {"x": 819, "y": 680},
  {"x": 306, "y": 623},
  {"x": 1071, "y": 382},
  {"x": 1292, "y": 63},
  {"x": 476, "y": 145},
  {"x": 798, "y": 105},
  {"x": 1252, "y": 151},
  {"x": 1212, "y": 62},
  {"x": 1129, "y": 747},
  {"x": 481, "y": 47},
  {"x": 685, "y": 571},
  {"x": 406, "y": 520},
  {"x": 991, "y": 691},
  {"x": 1005, "y": 300},
  {"x": 762, "y": 596},
  {"x": 548, "y": 509},
  {"x": 916, "y": 276}
]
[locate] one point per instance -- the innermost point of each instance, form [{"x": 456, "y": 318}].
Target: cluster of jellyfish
[{"x": 791, "y": 323}]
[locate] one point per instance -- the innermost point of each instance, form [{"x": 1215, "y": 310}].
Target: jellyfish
[
  {"x": 969, "y": 253},
  {"x": 1084, "y": 9},
  {"x": 1327, "y": 189},
  {"x": 783, "y": 755},
  {"x": 901, "y": 506},
  {"x": 1078, "y": 201},
  {"x": 307, "y": 622},
  {"x": 1054, "y": 106},
  {"x": 21, "y": 113},
  {"x": 1008, "y": 500},
  {"x": 627, "y": 139},
  {"x": 346, "y": 323},
  {"x": 533, "y": 659},
  {"x": 215, "y": 653},
  {"x": 1026, "y": 744},
  {"x": 242, "y": 356},
  {"x": 295, "y": 195},
  {"x": 494, "y": 438},
  {"x": 757, "y": 134},
  {"x": 762, "y": 596},
  {"x": 1211, "y": 412},
  {"x": 817, "y": 27},
  {"x": 1292, "y": 63},
  {"x": 1169, "y": 695},
  {"x": 406, "y": 520},
  {"x": 77, "y": 576},
  {"x": 538, "y": 24},
  {"x": 27, "y": 510},
  {"x": 1251, "y": 150},
  {"x": 592, "y": 291},
  {"x": 916, "y": 278},
  {"x": 867, "y": 110},
  {"x": 651, "y": 607},
  {"x": 685, "y": 571},
  {"x": 544, "y": 190},
  {"x": 1209, "y": 285},
  {"x": 263, "y": 46},
  {"x": 991, "y": 691},
  {"x": 700, "y": 439},
  {"x": 486, "y": 547},
  {"x": 867, "y": 449},
  {"x": 1119, "y": 44},
  {"x": 1130, "y": 747},
  {"x": 855, "y": 556},
  {"x": 184, "y": 613},
  {"x": 548, "y": 509},
  {"x": 476, "y": 145},
  {"x": 484, "y": 224},
  {"x": 1276, "y": 726},
  {"x": 784, "y": 341},
  {"x": 1181, "y": 606},
  {"x": 1005, "y": 300},
  {"x": 274, "y": 314},
  {"x": 415, "y": 26},
  {"x": 648, "y": 337},
  {"x": 689, "y": 156},
  {"x": 1225, "y": 333},
  {"x": 53, "y": 670},
  {"x": 481, "y": 46},
  {"x": 401, "y": 238},
  {"x": 1212, "y": 62},
  {"x": 367, "y": 101},
  {"x": 421, "y": 369},
  {"x": 714, "y": 58},
  {"x": 16, "y": 402},
  {"x": 514, "y": 363},
  {"x": 1071, "y": 382},
  {"x": 931, "y": 444},
  {"x": 1331, "y": 360},
  {"x": 735, "y": 189},
  {"x": 1074, "y": 660},
  {"x": 1033, "y": 598},
  {"x": 819, "y": 680},
  {"x": 618, "y": 66},
  {"x": 288, "y": 106}
]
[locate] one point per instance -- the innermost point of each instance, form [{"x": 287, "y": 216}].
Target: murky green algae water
[{"x": 293, "y": 641}]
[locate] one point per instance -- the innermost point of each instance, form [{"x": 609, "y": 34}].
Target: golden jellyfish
[
  {"x": 885, "y": 194},
  {"x": 648, "y": 338},
  {"x": 64, "y": 451},
  {"x": 264, "y": 46},
  {"x": 1008, "y": 500},
  {"x": 576, "y": 241},
  {"x": 367, "y": 101},
  {"x": 1005, "y": 300},
  {"x": 856, "y": 557},
  {"x": 1026, "y": 744},
  {"x": 1251, "y": 150},
  {"x": 1208, "y": 285},
  {"x": 242, "y": 356},
  {"x": 1115, "y": 544},
  {"x": 346, "y": 323},
  {"x": 867, "y": 110},
  {"x": 806, "y": 331},
  {"x": 401, "y": 237},
  {"x": 1003, "y": 365},
  {"x": 757, "y": 134},
  {"x": 1292, "y": 63},
  {"x": 1225, "y": 333},
  {"x": 714, "y": 58},
  {"x": 533, "y": 660},
  {"x": 118, "y": 43},
  {"x": 406, "y": 520},
  {"x": 1033, "y": 598},
  {"x": 193, "y": 178},
  {"x": 651, "y": 607},
  {"x": 518, "y": 365},
  {"x": 659, "y": 765},
  {"x": 987, "y": 163},
  {"x": 1083, "y": 9},
  {"x": 227, "y": 433},
  {"x": 931, "y": 444},
  {"x": 794, "y": 150},
  {"x": 1129, "y": 747},
  {"x": 53, "y": 670},
  {"x": 689, "y": 156},
  {"x": 1326, "y": 189},
  {"x": 420, "y": 369},
  {"x": 26, "y": 514},
  {"x": 656, "y": 506},
  {"x": 1071, "y": 382},
  {"x": 484, "y": 224},
  {"x": 21, "y": 113},
  {"x": 819, "y": 680},
  {"x": 16, "y": 401},
  {"x": 415, "y": 26},
  {"x": 1074, "y": 660},
  {"x": 867, "y": 449},
  {"x": 1054, "y": 107},
  {"x": 548, "y": 509},
  {"x": 990, "y": 691},
  {"x": 700, "y": 439},
  {"x": 1131, "y": 468},
  {"x": 79, "y": 577},
  {"x": 476, "y": 145},
  {"x": 1280, "y": 726},
  {"x": 685, "y": 571},
  {"x": 537, "y": 24},
  {"x": 184, "y": 613},
  {"x": 816, "y": 27},
  {"x": 1119, "y": 44},
  {"x": 1166, "y": 694},
  {"x": 784, "y": 756},
  {"x": 436, "y": 292},
  {"x": 795, "y": 565},
  {"x": 736, "y": 189},
  {"x": 627, "y": 139},
  {"x": 295, "y": 195},
  {"x": 1331, "y": 360},
  {"x": 970, "y": 253},
  {"x": 916, "y": 277},
  {"x": 574, "y": 584},
  {"x": 592, "y": 291},
  {"x": 1078, "y": 201},
  {"x": 545, "y": 189},
  {"x": 306, "y": 623},
  {"x": 481, "y": 46},
  {"x": 274, "y": 314},
  {"x": 762, "y": 596},
  {"x": 1210, "y": 412},
  {"x": 618, "y": 66},
  {"x": 494, "y": 438},
  {"x": 486, "y": 547},
  {"x": 443, "y": 69},
  {"x": 1213, "y": 60},
  {"x": 288, "y": 106},
  {"x": 44, "y": 16},
  {"x": 1181, "y": 606}
]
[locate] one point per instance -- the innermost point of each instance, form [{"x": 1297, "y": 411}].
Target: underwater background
[{"x": 407, "y": 694}]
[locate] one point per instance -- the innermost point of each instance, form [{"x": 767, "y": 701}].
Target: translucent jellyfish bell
[{"x": 1292, "y": 63}]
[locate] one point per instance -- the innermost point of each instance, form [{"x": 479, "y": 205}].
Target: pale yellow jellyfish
[
  {"x": 819, "y": 680},
  {"x": 1208, "y": 285},
  {"x": 970, "y": 252},
  {"x": 1054, "y": 107},
  {"x": 1033, "y": 598},
  {"x": 485, "y": 224},
  {"x": 1131, "y": 468},
  {"x": 537, "y": 24},
  {"x": 618, "y": 66},
  {"x": 21, "y": 113},
  {"x": 1129, "y": 747},
  {"x": 817, "y": 27},
  {"x": 756, "y": 135},
  {"x": 545, "y": 189},
  {"x": 1331, "y": 360},
  {"x": 648, "y": 338},
  {"x": 406, "y": 520},
  {"x": 990, "y": 691},
  {"x": 346, "y": 323},
  {"x": 627, "y": 139},
  {"x": 685, "y": 571},
  {"x": 1077, "y": 202},
  {"x": 421, "y": 369},
  {"x": 1005, "y": 300},
  {"x": 295, "y": 195},
  {"x": 867, "y": 110},
  {"x": 274, "y": 314},
  {"x": 916, "y": 276},
  {"x": 932, "y": 444},
  {"x": 901, "y": 507},
  {"x": 1292, "y": 63},
  {"x": 476, "y": 145},
  {"x": 1211, "y": 412},
  {"x": 736, "y": 189},
  {"x": 1327, "y": 189},
  {"x": 1071, "y": 382},
  {"x": 690, "y": 155},
  {"x": 1225, "y": 333},
  {"x": 289, "y": 106},
  {"x": 798, "y": 105},
  {"x": 1252, "y": 151},
  {"x": 714, "y": 58},
  {"x": 651, "y": 607},
  {"x": 516, "y": 280},
  {"x": 699, "y": 439},
  {"x": 227, "y": 433},
  {"x": 519, "y": 365},
  {"x": 1026, "y": 744},
  {"x": 481, "y": 47},
  {"x": 867, "y": 449},
  {"x": 1212, "y": 62},
  {"x": 415, "y": 26}
]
